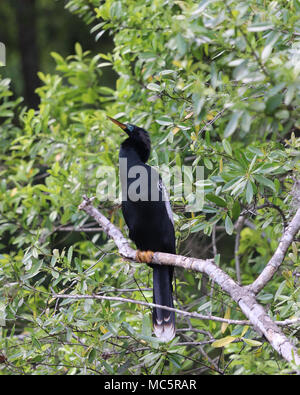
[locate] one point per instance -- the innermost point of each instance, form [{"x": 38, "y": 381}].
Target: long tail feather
[{"x": 163, "y": 320}]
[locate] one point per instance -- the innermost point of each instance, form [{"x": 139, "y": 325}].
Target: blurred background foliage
[
  {"x": 217, "y": 85},
  {"x": 31, "y": 30}
]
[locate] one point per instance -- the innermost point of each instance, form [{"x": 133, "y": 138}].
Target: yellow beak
[{"x": 121, "y": 125}]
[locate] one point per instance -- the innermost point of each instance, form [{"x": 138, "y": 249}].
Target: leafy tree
[{"x": 217, "y": 84}]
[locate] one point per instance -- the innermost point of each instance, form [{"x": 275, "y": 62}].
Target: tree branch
[
  {"x": 278, "y": 257},
  {"x": 243, "y": 296},
  {"x": 191, "y": 314}
]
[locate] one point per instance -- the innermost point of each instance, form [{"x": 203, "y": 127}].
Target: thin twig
[
  {"x": 278, "y": 257},
  {"x": 148, "y": 304},
  {"x": 239, "y": 227},
  {"x": 272, "y": 205}
]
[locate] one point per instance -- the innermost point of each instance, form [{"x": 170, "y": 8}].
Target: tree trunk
[{"x": 26, "y": 20}]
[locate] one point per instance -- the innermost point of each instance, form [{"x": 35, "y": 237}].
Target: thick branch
[
  {"x": 111, "y": 230},
  {"x": 241, "y": 295}
]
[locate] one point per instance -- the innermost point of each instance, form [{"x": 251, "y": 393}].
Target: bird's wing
[{"x": 166, "y": 199}]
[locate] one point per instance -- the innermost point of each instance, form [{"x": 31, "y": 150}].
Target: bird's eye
[{"x": 130, "y": 127}]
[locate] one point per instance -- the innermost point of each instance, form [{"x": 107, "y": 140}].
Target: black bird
[{"x": 148, "y": 215}]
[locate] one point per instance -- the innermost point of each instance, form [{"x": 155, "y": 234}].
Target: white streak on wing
[{"x": 161, "y": 187}]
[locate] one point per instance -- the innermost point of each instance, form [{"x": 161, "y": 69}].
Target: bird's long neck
[
  {"x": 129, "y": 160},
  {"x": 131, "y": 154}
]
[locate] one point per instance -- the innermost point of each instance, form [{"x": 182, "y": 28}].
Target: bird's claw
[{"x": 144, "y": 256}]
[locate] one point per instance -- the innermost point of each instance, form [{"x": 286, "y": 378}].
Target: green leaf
[
  {"x": 99, "y": 35},
  {"x": 246, "y": 121},
  {"x": 236, "y": 210},
  {"x": 239, "y": 187},
  {"x": 201, "y": 7},
  {"x": 59, "y": 60},
  {"x": 249, "y": 192},
  {"x": 128, "y": 329},
  {"x": 207, "y": 137},
  {"x": 282, "y": 114},
  {"x": 167, "y": 72},
  {"x": 269, "y": 45},
  {"x": 181, "y": 44},
  {"x": 198, "y": 102},
  {"x": 251, "y": 342},
  {"x": 266, "y": 168},
  {"x": 232, "y": 124},
  {"x": 175, "y": 360},
  {"x": 78, "y": 49},
  {"x": 252, "y": 163},
  {"x": 260, "y": 27},
  {"x": 265, "y": 181},
  {"x": 108, "y": 367},
  {"x": 106, "y": 336},
  {"x": 92, "y": 355},
  {"x": 164, "y": 120},
  {"x": 154, "y": 87},
  {"x": 226, "y": 316},
  {"x": 146, "y": 326},
  {"x": 36, "y": 342},
  {"x": 258, "y": 106},
  {"x": 208, "y": 163},
  {"x": 223, "y": 342},
  {"x": 227, "y": 146},
  {"x": 70, "y": 254},
  {"x": 289, "y": 95},
  {"x": 217, "y": 259},
  {"x": 2, "y": 314},
  {"x": 33, "y": 271},
  {"x": 228, "y": 225},
  {"x": 216, "y": 199},
  {"x": 116, "y": 9},
  {"x": 273, "y": 102},
  {"x": 53, "y": 216},
  {"x": 279, "y": 290}
]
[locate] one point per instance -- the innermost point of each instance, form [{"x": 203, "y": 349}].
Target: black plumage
[{"x": 148, "y": 215}]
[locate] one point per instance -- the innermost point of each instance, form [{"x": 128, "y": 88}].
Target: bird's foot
[{"x": 144, "y": 256}]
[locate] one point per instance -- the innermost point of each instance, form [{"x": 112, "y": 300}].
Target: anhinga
[{"x": 148, "y": 215}]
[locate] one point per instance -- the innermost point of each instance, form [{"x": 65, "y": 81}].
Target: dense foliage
[{"x": 217, "y": 83}]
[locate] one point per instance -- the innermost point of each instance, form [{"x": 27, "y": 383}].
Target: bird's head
[{"x": 138, "y": 138}]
